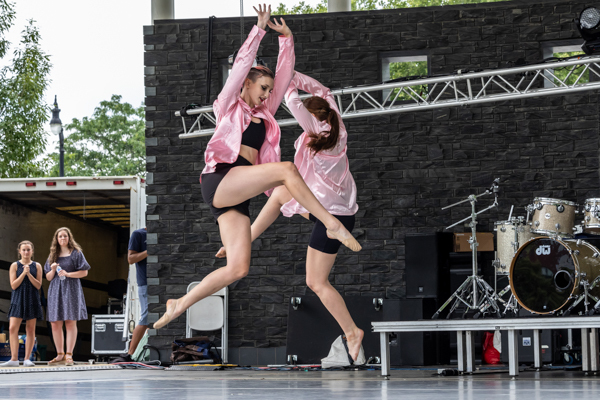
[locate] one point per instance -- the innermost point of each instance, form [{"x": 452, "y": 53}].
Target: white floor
[{"x": 403, "y": 384}]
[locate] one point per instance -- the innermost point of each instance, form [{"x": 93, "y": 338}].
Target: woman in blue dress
[
  {"x": 25, "y": 280},
  {"x": 66, "y": 304}
]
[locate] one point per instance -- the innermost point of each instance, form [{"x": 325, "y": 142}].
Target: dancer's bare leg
[
  {"x": 235, "y": 235},
  {"x": 318, "y": 267},
  {"x": 270, "y": 211},
  {"x": 267, "y": 215},
  {"x": 244, "y": 182}
]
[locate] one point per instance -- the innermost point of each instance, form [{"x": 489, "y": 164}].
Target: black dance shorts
[
  {"x": 320, "y": 241},
  {"x": 210, "y": 183}
]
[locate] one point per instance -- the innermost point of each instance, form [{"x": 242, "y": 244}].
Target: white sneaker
[
  {"x": 10, "y": 364},
  {"x": 28, "y": 363}
]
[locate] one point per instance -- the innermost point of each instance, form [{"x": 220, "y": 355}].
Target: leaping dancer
[
  {"x": 322, "y": 161},
  {"x": 243, "y": 160}
]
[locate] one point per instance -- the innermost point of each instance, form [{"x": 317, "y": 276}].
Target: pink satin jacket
[
  {"x": 234, "y": 115},
  {"x": 326, "y": 173}
]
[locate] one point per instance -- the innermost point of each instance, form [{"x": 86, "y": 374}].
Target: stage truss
[{"x": 438, "y": 92}]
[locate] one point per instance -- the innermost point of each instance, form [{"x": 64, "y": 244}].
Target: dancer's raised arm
[
  {"x": 243, "y": 62},
  {"x": 285, "y": 64}
]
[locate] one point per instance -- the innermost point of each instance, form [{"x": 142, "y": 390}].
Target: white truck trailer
[{"x": 101, "y": 212}]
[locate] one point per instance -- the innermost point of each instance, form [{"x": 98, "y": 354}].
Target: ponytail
[{"x": 323, "y": 112}]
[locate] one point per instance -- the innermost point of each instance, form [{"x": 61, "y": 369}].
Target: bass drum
[{"x": 545, "y": 274}]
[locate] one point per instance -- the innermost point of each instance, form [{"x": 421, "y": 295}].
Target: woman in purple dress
[{"x": 65, "y": 295}]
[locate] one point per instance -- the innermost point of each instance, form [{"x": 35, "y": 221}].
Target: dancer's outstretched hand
[
  {"x": 221, "y": 253},
  {"x": 280, "y": 27},
  {"x": 263, "y": 15}
]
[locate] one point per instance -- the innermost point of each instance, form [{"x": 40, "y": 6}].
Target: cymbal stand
[{"x": 475, "y": 293}]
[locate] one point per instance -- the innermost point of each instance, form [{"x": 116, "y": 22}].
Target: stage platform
[{"x": 413, "y": 384}]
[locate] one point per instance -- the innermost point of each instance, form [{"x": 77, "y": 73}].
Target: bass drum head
[{"x": 542, "y": 275}]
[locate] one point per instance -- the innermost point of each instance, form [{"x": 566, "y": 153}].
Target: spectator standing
[
  {"x": 66, "y": 303},
  {"x": 25, "y": 280}
]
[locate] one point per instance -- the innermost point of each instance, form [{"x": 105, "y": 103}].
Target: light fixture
[
  {"x": 588, "y": 26},
  {"x": 57, "y": 129}
]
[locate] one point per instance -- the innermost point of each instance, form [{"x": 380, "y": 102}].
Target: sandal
[
  {"x": 69, "y": 360},
  {"x": 55, "y": 360}
]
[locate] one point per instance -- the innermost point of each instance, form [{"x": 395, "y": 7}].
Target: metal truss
[{"x": 443, "y": 91}]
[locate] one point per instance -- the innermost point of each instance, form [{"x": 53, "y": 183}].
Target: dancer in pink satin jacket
[
  {"x": 321, "y": 160},
  {"x": 243, "y": 160}
]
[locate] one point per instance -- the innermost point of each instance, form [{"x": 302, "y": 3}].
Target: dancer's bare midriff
[{"x": 248, "y": 152}]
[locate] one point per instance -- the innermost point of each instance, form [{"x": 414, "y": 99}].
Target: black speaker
[
  {"x": 427, "y": 261},
  {"x": 312, "y": 330},
  {"x": 525, "y": 343},
  {"x": 417, "y": 348}
]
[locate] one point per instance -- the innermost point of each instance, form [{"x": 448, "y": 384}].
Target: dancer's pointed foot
[
  {"x": 168, "y": 316},
  {"x": 354, "y": 345},
  {"x": 343, "y": 235}
]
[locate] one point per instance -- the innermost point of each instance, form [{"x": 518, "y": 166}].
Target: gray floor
[{"x": 404, "y": 384}]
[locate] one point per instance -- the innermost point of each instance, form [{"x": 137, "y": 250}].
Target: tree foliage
[
  {"x": 109, "y": 143},
  {"x": 23, "y": 113},
  {"x": 364, "y": 5},
  {"x": 409, "y": 69},
  {"x": 570, "y": 75}
]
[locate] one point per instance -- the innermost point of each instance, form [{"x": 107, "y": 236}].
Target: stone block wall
[{"x": 406, "y": 166}]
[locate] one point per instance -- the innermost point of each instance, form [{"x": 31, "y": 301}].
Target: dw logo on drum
[{"x": 545, "y": 250}]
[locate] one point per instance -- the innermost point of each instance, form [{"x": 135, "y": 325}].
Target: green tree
[
  {"x": 565, "y": 74},
  {"x": 109, "y": 143},
  {"x": 364, "y": 5},
  {"x": 301, "y": 8},
  {"x": 409, "y": 69},
  {"x": 23, "y": 113}
]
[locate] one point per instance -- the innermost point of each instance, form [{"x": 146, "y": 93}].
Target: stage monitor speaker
[
  {"x": 525, "y": 343},
  {"x": 312, "y": 330},
  {"x": 417, "y": 348},
  {"x": 427, "y": 262}
]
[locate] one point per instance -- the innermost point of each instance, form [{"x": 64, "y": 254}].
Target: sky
[{"x": 96, "y": 47}]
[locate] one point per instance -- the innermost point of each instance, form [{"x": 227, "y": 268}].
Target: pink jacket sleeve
[
  {"x": 314, "y": 87},
  {"x": 302, "y": 115},
  {"x": 283, "y": 74},
  {"x": 241, "y": 66}
]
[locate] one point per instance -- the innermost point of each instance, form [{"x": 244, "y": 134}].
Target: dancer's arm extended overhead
[
  {"x": 285, "y": 64},
  {"x": 241, "y": 66}
]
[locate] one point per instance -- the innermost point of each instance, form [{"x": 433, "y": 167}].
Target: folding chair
[{"x": 209, "y": 314}]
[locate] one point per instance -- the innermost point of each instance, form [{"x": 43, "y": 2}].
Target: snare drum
[
  {"x": 591, "y": 219},
  {"x": 553, "y": 217},
  {"x": 511, "y": 235},
  {"x": 546, "y": 273}
]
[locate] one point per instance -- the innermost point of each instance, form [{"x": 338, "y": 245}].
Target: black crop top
[{"x": 254, "y": 135}]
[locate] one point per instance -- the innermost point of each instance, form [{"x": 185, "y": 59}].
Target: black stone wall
[{"x": 406, "y": 166}]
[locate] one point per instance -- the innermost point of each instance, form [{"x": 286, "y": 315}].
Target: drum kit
[{"x": 550, "y": 271}]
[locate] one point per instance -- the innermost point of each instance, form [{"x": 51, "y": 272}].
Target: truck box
[{"x": 101, "y": 212}]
